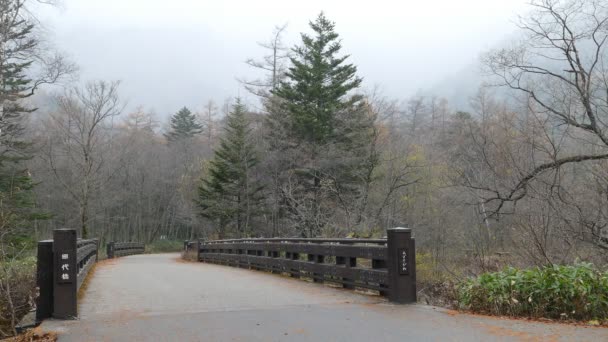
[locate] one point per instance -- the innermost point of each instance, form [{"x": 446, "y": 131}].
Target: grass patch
[
  {"x": 165, "y": 246},
  {"x": 577, "y": 292}
]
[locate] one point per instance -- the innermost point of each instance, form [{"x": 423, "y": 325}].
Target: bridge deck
[{"x": 160, "y": 298}]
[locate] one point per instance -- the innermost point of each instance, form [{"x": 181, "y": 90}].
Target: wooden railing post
[
  {"x": 380, "y": 264},
  {"x": 44, "y": 280},
  {"x": 110, "y": 250},
  {"x": 317, "y": 259},
  {"x": 65, "y": 287},
  {"x": 401, "y": 265},
  {"x": 348, "y": 262},
  {"x": 198, "y": 249},
  {"x": 295, "y": 272}
]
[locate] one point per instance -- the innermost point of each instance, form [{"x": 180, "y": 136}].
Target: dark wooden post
[
  {"x": 258, "y": 253},
  {"x": 44, "y": 280},
  {"x": 317, "y": 259},
  {"x": 349, "y": 262},
  {"x": 380, "y": 264},
  {"x": 274, "y": 255},
  {"x": 311, "y": 258},
  {"x": 110, "y": 250},
  {"x": 401, "y": 265},
  {"x": 198, "y": 249},
  {"x": 65, "y": 273},
  {"x": 295, "y": 272},
  {"x": 97, "y": 245}
]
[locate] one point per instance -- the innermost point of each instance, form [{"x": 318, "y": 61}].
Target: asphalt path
[{"x": 162, "y": 298}]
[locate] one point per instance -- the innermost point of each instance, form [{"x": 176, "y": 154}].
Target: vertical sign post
[
  {"x": 401, "y": 264},
  {"x": 65, "y": 273}
]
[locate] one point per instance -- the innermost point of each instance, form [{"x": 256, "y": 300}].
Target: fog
[
  {"x": 481, "y": 126},
  {"x": 185, "y": 52}
]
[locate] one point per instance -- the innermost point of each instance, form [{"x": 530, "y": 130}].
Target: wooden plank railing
[
  {"x": 285, "y": 256},
  {"x": 86, "y": 257},
  {"x": 385, "y": 265},
  {"x": 119, "y": 249}
]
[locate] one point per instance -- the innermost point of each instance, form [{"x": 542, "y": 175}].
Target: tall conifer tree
[
  {"x": 229, "y": 193},
  {"x": 183, "y": 126},
  {"x": 323, "y": 124},
  {"x": 18, "y": 52},
  {"x": 317, "y": 84}
]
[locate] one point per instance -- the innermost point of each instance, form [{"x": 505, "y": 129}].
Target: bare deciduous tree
[
  {"x": 273, "y": 65},
  {"x": 83, "y": 123},
  {"x": 561, "y": 67}
]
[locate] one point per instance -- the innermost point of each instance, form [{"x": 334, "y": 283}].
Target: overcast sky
[{"x": 175, "y": 53}]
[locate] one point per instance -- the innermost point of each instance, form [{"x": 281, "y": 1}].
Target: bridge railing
[
  {"x": 385, "y": 265},
  {"x": 119, "y": 249},
  {"x": 190, "y": 245},
  {"x": 62, "y": 267},
  {"x": 86, "y": 257}
]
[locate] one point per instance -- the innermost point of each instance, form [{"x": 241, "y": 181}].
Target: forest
[{"x": 518, "y": 178}]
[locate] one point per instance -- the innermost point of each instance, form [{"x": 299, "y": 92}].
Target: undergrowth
[
  {"x": 578, "y": 291},
  {"x": 17, "y": 292}
]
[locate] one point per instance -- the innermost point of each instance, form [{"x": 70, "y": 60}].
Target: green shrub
[
  {"x": 579, "y": 291},
  {"x": 17, "y": 292},
  {"x": 165, "y": 246}
]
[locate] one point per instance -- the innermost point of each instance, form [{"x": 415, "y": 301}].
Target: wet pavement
[{"x": 162, "y": 298}]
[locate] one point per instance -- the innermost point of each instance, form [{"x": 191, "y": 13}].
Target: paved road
[{"x": 160, "y": 298}]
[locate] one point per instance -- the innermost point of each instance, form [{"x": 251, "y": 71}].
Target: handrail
[
  {"x": 385, "y": 265},
  {"x": 86, "y": 256},
  {"x": 82, "y": 242},
  {"x": 118, "y": 249},
  {"x": 286, "y": 257},
  {"x": 307, "y": 240}
]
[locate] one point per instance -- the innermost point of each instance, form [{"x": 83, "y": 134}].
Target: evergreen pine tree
[
  {"x": 183, "y": 125},
  {"x": 323, "y": 125},
  {"x": 15, "y": 86},
  {"x": 229, "y": 193},
  {"x": 317, "y": 84},
  {"x": 17, "y": 54}
]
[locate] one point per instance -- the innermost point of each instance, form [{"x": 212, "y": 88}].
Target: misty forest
[{"x": 518, "y": 176}]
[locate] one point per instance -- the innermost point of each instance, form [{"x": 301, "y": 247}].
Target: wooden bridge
[{"x": 265, "y": 295}]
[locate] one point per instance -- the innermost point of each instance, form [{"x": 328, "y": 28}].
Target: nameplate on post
[
  {"x": 64, "y": 272},
  {"x": 402, "y": 258}
]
